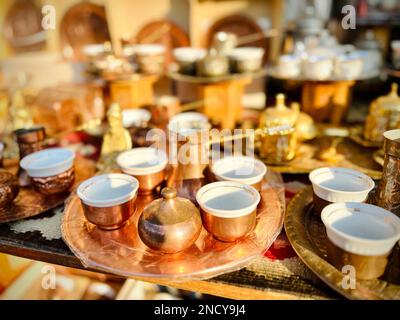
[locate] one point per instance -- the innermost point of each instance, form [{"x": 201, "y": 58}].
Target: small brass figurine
[
  {"x": 19, "y": 112},
  {"x": 117, "y": 138}
]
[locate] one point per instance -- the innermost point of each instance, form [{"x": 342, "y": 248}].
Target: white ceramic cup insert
[
  {"x": 189, "y": 54},
  {"x": 318, "y": 67},
  {"x": 135, "y": 117},
  {"x": 226, "y": 199},
  {"x": 108, "y": 190},
  {"x": 289, "y": 66},
  {"x": 361, "y": 228},
  {"x": 48, "y": 162},
  {"x": 245, "y": 170},
  {"x": 142, "y": 161},
  {"x": 341, "y": 184}
]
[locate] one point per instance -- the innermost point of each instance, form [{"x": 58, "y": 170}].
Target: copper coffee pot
[{"x": 190, "y": 160}]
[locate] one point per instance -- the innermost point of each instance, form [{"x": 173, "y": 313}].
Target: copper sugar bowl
[
  {"x": 170, "y": 224},
  {"x": 9, "y": 188}
]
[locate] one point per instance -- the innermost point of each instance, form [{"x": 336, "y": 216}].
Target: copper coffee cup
[
  {"x": 147, "y": 165},
  {"x": 360, "y": 236},
  {"x": 108, "y": 200},
  {"x": 331, "y": 185},
  {"x": 240, "y": 169},
  {"x": 51, "y": 170},
  {"x": 228, "y": 209}
]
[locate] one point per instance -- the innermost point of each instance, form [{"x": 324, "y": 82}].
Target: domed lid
[
  {"x": 280, "y": 114},
  {"x": 390, "y": 102},
  {"x": 170, "y": 209}
]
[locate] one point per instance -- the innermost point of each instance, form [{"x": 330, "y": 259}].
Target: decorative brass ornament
[
  {"x": 384, "y": 115},
  {"x": 116, "y": 139}
]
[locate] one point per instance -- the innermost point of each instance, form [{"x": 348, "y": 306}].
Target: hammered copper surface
[
  {"x": 307, "y": 235},
  {"x": 123, "y": 253},
  {"x": 9, "y": 188},
  {"x": 55, "y": 184},
  {"x": 30, "y": 203}
]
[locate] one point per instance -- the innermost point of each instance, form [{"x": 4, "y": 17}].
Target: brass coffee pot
[
  {"x": 279, "y": 145},
  {"x": 384, "y": 115}
]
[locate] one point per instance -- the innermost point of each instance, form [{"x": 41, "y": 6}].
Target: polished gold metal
[
  {"x": 59, "y": 183},
  {"x": 123, "y": 253},
  {"x": 366, "y": 267},
  {"x": 307, "y": 235},
  {"x": 9, "y": 188},
  {"x": 21, "y": 116},
  {"x": 280, "y": 145},
  {"x": 116, "y": 139},
  {"x": 384, "y": 115},
  {"x": 170, "y": 224},
  {"x": 110, "y": 218},
  {"x": 351, "y": 155}
]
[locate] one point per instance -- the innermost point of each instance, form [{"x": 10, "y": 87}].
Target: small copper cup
[
  {"x": 331, "y": 185},
  {"x": 228, "y": 209},
  {"x": 9, "y": 188},
  {"x": 240, "y": 169},
  {"x": 147, "y": 165},
  {"x": 361, "y": 236},
  {"x": 51, "y": 170},
  {"x": 29, "y": 140},
  {"x": 108, "y": 200}
]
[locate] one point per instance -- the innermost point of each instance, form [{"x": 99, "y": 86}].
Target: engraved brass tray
[
  {"x": 123, "y": 253},
  {"x": 352, "y": 156},
  {"x": 307, "y": 235},
  {"x": 30, "y": 203}
]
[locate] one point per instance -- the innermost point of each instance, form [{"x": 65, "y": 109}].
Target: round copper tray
[
  {"x": 30, "y": 203},
  {"x": 306, "y": 233},
  {"x": 122, "y": 252}
]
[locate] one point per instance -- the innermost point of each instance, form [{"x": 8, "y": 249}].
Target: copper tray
[
  {"x": 30, "y": 203},
  {"x": 306, "y": 233},
  {"x": 122, "y": 252},
  {"x": 84, "y": 23},
  {"x": 354, "y": 157}
]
